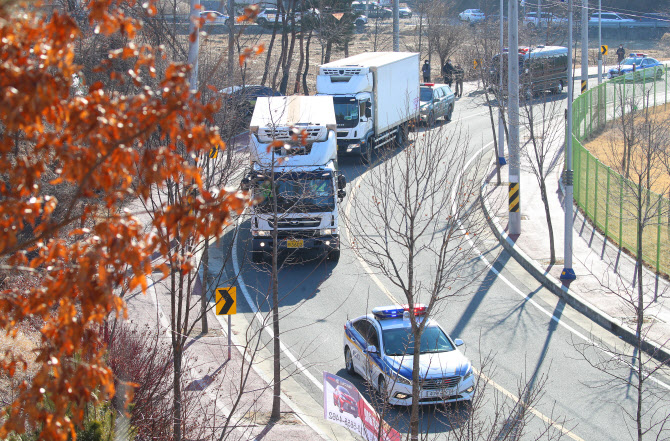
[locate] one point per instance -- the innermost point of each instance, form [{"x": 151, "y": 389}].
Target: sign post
[{"x": 226, "y": 304}]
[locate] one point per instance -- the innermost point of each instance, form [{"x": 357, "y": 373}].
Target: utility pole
[
  {"x": 513, "y": 117},
  {"x": 194, "y": 44},
  {"x": 585, "y": 45},
  {"x": 231, "y": 41},
  {"x": 600, "y": 43},
  {"x": 396, "y": 26},
  {"x": 501, "y": 124},
  {"x": 568, "y": 273}
]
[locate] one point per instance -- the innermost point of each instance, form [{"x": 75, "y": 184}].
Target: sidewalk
[{"x": 602, "y": 270}]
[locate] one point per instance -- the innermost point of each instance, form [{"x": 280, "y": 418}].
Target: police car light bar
[{"x": 397, "y": 311}]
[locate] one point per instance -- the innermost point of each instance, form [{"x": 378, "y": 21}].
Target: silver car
[{"x": 436, "y": 101}]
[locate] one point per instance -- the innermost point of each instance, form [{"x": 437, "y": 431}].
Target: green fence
[{"x": 606, "y": 197}]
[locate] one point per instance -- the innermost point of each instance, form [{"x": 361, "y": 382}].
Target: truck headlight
[
  {"x": 261, "y": 233},
  {"x": 353, "y": 145},
  {"x": 326, "y": 231}
]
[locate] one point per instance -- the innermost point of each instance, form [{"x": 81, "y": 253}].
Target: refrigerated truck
[
  {"x": 376, "y": 97},
  {"x": 294, "y": 177}
]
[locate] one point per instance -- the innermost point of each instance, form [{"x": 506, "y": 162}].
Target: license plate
[
  {"x": 294, "y": 243},
  {"x": 442, "y": 393}
]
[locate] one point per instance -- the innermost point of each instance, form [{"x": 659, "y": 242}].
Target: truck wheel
[
  {"x": 334, "y": 255},
  {"x": 366, "y": 156},
  {"x": 400, "y": 136},
  {"x": 559, "y": 88}
]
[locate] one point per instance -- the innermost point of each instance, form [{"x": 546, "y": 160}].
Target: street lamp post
[{"x": 568, "y": 273}]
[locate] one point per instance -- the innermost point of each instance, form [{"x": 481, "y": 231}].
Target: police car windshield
[
  {"x": 399, "y": 341},
  {"x": 632, "y": 61},
  {"x": 426, "y": 94}
]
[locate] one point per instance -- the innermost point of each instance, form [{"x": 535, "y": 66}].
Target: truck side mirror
[
  {"x": 368, "y": 109},
  {"x": 341, "y": 182},
  {"x": 341, "y": 194}
]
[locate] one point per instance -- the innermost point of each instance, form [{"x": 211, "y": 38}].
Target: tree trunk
[
  {"x": 266, "y": 69},
  {"x": 547, "y": 214},
  {"x": 416, "y": 388},
  {"x": 296, "y": 86},
  {"x": 276, "y": 392},
  {"x": 329, "y": 47},
  {"x": 305, "y": 89},
  {"x": 640, "y": 316},
  {"x": 176, "y": 391}
]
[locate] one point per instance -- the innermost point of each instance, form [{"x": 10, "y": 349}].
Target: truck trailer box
[{"x": 305, "y": 125}]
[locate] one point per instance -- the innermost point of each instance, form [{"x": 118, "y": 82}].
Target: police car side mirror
[
  {"x": 372, "y": 349},
  {"x": 459, "y": 342}
]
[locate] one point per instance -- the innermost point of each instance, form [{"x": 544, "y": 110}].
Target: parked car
[
  {"x": 472, "y": 15},
  {"x": 405, "y": 12},
  {"x": 344, "y": 401},
  {"x": 243, "y": 98},
  {"x": 215, "y": 17},
  {"x": 361, "y": 20},
  {"x": 638, "y": 66},
  {"x": 531, "y": 20},
  {"x": 435, "y": 101},
  {"x": 272, "y": 15},
  {"x": 374, "y": 10},
  {"x": 609, "y": 18}
]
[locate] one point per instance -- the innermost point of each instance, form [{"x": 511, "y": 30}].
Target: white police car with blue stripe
[{"x": 380, "y": 348}]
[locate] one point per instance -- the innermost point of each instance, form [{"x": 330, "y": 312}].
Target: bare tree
[{"x": 413, "y": 226}]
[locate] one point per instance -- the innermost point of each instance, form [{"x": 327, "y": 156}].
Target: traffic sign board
[
  {"x": 214, "y": 152},
  {"x": 226, "y": 300},
  {"x": 603, "y": 49}
]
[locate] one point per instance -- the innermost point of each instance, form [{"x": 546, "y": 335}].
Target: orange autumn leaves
[{"x": 99, "y": 149}]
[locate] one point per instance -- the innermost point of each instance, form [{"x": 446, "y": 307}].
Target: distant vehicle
[
  {"x": 243, "y": 98},
  {"x": 609, "y": 18},
  {"x": 215, "y": 17},
  {"x": 435, "y": 101},
  {"x": 472, "y": 15},
  {"x": 361, "y": 20},
  {"x": 272, "y": 16},
  {"x": 380, "y": 348},
  {"x": 344, "y": 401},
  {"x": 374, "y": 10},
  {"x": 540, "y": 69},
  {"x": 546, "y": 19},
  {"x": 638, "y": 66},
  {"x": 405, "y": 12}
]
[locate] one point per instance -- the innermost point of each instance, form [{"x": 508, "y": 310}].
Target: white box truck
[
  {"x": 376, "y": 96},
  {"x": 293, "y": 177}
]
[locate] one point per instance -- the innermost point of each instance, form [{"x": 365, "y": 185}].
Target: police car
[
  {"x": 379, "y": 347},
  {"x": 638, "y": 66}
]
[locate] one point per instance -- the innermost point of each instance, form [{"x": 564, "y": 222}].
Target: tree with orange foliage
[{"x": 80, "y": 247}]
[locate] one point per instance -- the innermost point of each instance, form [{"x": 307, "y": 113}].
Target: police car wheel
[
  {"x": 449, "y": 112},
  {"x": 659, "y": 74},
  {"x": 348, "y": 361},
  {"x": 381, "y": 388}
]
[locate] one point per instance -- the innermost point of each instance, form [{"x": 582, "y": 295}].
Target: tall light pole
[
  {"x": 600, "y": 43},
  {"x": 513, "y": 117},
  {"x": 568, "y": 273},
  {"x": 501, "y": 124},
  {"x": 396, "y": 26},
  {"x": 585, "y": 45}
]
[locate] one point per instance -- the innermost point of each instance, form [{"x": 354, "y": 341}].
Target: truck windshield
[
  {"x": 299, "y": 194},
  {"x": 400, "y": 341},
  {"x": 346, "y": 112}
]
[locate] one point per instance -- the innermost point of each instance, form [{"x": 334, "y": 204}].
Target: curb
[{"x": 569, "y": 296}]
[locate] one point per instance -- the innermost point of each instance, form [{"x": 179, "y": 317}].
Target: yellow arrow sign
[
  {"x": 474, "y": 64},
  {"x": 226, "y": 300},
  {"x": 603, "y": 49},
  {"x": 214, "y": 151}
]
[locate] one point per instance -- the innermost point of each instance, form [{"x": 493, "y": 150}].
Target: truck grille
[
  {"x": 296, "y": 234},
  {"x": 348, "y": 71},
  {"x": 440, "y": 383},
  {"x": 305, "y": 222},
  {"x": 285, "y": 134}
]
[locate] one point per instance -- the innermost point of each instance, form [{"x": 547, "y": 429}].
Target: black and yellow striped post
[
  {"x": 514, "y": 205},
  {"x": 584, "y": 86}
]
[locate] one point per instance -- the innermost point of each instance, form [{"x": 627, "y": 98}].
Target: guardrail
[{"x": 605, "y": 196}]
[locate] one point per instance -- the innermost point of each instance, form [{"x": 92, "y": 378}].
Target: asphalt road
[{"x": 526, "y": 333}]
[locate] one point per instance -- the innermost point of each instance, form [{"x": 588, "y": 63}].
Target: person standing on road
[
  {"x": 459, "y": 73},
  {"x": 620, "y": 54},
  {"x": 425, "y": 69},
  {"x": 448, "y": 72}
]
